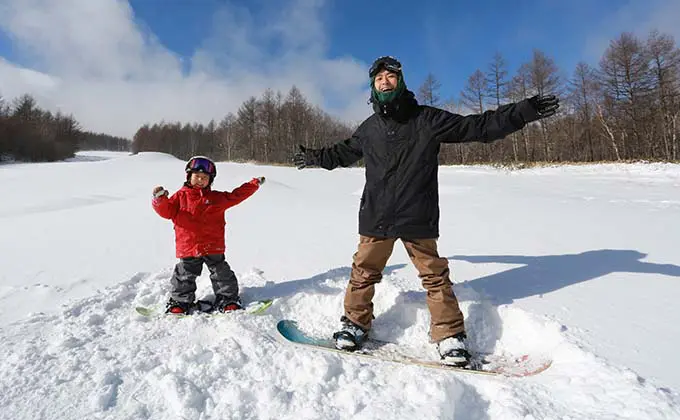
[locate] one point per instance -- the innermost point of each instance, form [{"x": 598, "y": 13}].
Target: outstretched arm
[
  {"x": 241, "y": 193},
  {"x": 491, "y": 125},
  {"x": 166, "y": 207},
  {"x": 344, "y": 154}
]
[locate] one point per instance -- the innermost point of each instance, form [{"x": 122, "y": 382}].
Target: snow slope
[{"x": 579, "y": 263}]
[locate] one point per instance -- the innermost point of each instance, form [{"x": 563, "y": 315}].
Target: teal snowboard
[
  {"x": 482, "y": 363},
  {"x": 256, "y": 307}
]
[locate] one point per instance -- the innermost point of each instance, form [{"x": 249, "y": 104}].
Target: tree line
[
  {"x": 625, "y": 108},
  {"x": 29, "y": 133},
  {"x": 101, "y": 141},
  {"x": 266, "y": 129}
]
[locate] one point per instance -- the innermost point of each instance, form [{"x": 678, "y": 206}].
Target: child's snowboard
[
  {"x": 485, "y": 364},
  {"x": 254, "y": 308}
]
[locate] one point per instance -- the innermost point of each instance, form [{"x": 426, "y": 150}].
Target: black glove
[
  {"x": 303, "y": 158},
  {"x": 544, "y": 106}
]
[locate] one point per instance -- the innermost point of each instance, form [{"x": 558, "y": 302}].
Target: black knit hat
[{"x": 385, "y": 62}]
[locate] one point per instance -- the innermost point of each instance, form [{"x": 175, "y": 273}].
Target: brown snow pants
[{"x": 369, "y": 261}]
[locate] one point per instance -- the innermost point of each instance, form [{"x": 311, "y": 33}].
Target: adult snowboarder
[{"x": 400, "y": 143}]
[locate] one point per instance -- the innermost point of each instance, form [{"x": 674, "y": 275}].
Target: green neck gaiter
[{"x": 387, "y": 97}]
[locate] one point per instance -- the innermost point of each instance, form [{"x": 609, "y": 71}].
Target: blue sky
[
  {"x": 448, "y": 38},
  {"x": 149, "y": 58}
]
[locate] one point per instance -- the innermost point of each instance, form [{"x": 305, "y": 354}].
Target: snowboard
[
  {"x": 256, "y": 307},
  {"x": 482, "y": 363}
]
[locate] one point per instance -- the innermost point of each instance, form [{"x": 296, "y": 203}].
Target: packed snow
[{"x": 577, "y": 263}]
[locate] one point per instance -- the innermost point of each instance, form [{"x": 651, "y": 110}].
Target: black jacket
[{"x": 400, "y": 144}]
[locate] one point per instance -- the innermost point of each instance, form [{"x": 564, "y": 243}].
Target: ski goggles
[
  {"x": 387, "y": 62},
  {"x": 200, "y": 165}
]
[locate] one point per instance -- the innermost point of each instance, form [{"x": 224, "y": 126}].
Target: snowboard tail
[{"x": 481, "y": 363}]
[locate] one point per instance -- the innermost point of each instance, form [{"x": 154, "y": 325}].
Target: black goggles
[{"x": 388, "y": 63}]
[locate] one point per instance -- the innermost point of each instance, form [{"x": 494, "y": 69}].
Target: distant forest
[
  {"x": 31, "y": 134},
  {"x": 625, "y": 108}
]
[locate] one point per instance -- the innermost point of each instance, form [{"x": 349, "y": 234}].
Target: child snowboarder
[{"x": 197, "y": 213}]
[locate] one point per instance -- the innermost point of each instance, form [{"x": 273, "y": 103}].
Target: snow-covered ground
[{"x": 579, "y": 263}]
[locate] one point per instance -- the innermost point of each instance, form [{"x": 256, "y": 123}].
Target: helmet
[
  {"x": 387, "y": 62},
  {"x": 201, "y": 164}
]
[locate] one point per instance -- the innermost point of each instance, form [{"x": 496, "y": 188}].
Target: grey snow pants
[{"x": 183, "y": 279}]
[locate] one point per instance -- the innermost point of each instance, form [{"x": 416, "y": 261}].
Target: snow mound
[{"x": 98, "y": 358}]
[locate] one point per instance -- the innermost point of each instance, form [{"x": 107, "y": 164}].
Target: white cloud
[
  {"x": 638, "y": 17},
  {"x": 92, "y": 59}
]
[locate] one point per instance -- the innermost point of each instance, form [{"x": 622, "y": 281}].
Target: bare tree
[
  {"x": 627, "y": 81},
  {"x": 517, "y": 90},
  {"x": 296, "y": 110},
  {"x": 665, "y": 63},
  {"x": 544, "y": 81},
  {"x": 209, "y": 140},
  {"x": 544, "y": 73},
  {"x": 246, "y": 121},
  {"x": 267, "y": 119},
  {"x": 26, "y": 109},
  {"x": 583, "y": 88},
  {"x": 226, "y": 136},
  {"x": 610, "y": 132},
  {"x": 496, "y": 80},
  {"x": 473, "y": 95},
  {"x": 428, "y": 93},
  {"x": 473, "y": 99}
]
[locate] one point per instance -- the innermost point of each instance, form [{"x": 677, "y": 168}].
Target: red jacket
[{"x": 198, "y": 216}]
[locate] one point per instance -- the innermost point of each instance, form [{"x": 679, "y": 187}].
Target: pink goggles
[{"x": 200, "y": 165}]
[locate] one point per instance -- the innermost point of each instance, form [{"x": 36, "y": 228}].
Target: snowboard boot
[
  {"x": 225, "y": 304},
  {"x": 350, "y": 337},
  {"x": 452, "y": 351},
  {"x": 177, "y": 308}
]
